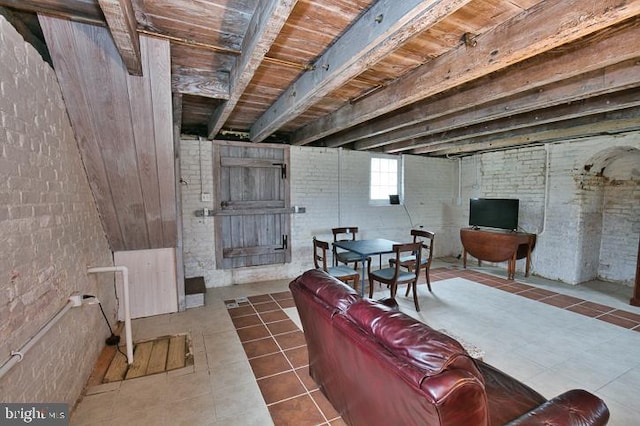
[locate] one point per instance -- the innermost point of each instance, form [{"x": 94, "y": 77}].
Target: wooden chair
[
  {"x": 426, "y": 238},
  {"x": 345, "y": 234},
  {"x": 342, "y": 272},
  {"x": 397, "y": 274}
]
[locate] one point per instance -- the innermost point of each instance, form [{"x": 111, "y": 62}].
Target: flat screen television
[{"x": 499, "y": 213}]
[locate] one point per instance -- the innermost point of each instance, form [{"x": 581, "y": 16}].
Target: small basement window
[{"x": 385, "y": 179}]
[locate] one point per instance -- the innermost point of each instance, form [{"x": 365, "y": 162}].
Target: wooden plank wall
[
  {"x": 152, "y": 281},
  {"x": 123, "y": 125}
]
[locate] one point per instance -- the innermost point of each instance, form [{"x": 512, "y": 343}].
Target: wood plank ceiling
[{"x": 428, "y": 77}]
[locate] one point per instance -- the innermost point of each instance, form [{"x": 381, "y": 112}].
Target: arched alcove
[{"x": 609, "y": 192}]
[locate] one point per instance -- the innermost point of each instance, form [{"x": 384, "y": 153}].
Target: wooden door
[{"x": 252, "y": 207}]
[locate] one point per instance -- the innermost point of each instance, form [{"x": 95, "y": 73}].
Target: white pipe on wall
[
  {"x": 16, "y": 356},
  {"x": 127, "y": 312},
  {"x": 547, "y": 166},
  {"x": 340, "y": 186}
]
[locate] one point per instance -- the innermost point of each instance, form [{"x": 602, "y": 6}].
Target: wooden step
[
  {"x": 194, "y": 289},
  {"x": 140, "y": 360},
  {"x": 158, "y": 358},
  {"x": 149, "y": 357},
  {"x": 117, "y": 369},
  {"x": 177, "y": 350}
]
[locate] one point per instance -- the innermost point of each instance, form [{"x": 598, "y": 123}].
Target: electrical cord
[{"x": 113, "y": 339}]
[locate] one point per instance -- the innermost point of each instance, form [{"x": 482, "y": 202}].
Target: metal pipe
[
  {"x": 127, "y": 313},
  {"x": 16, "y": 356}
]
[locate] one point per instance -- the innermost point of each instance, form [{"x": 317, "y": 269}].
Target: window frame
[{"x": 399, "y": 160}]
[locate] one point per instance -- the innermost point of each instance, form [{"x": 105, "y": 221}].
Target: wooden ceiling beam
[
  {"x": 602, "y": 50},
  {"x": 541, "y": 28},
  {"x": 191, "y": 81},
  {"x": 83, "y": 11},
  {"x": 596, "y": 83},
  {"x": 380, "y": 31},
  {"x": 265, "y": 25},
  {"x": 587, "y": 107},
  {"x": 122, "y": 23},
  {"x": 615, "y": 122}
]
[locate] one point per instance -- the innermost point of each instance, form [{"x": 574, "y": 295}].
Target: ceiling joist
[
  {"x": 190, "y": 81},
  {"x": 588, "y": 107},
  {"x": 543, "y": 27},
  {"x": 122, "y": 23},
  {"x": 74, "y": 10},
  {"x": 383, "y": 75},
  {"x": 526, "y": 76},
  {"x": 596, "y": 83},
  {"x": 266, "y": 23},
  {"x": 615, "y": 122},
  {"x": 377, "y": 33}
]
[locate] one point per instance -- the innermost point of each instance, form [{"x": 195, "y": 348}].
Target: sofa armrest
[{"x": 575, "y": 407}]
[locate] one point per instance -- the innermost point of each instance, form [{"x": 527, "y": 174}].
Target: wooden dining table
[{"x": 366, "y": 249}]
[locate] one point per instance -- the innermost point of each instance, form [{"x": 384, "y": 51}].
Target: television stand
[{"x": 498, "y": 246}]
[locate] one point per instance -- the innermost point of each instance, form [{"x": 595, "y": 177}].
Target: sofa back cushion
[
  {"x": 416, "y": 343},
  {"x": 330, "y": 290}
]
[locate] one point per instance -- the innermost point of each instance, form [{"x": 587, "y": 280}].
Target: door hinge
[
  {"x": 283, "y": 169},
  {"x": 285, "y": 242}
]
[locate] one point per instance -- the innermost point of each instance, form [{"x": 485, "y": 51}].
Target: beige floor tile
[
  {"x": 516, "y": 366},
  {"x": 94, "y": 408},
  {"x": 76, "y": 422},
  {"x": 150, "y": 392},
  {"x": 188, "y": 386},
  {"x": 157, "y": 415},
  {"x": 590, "y": 372},
  {"x": 551, "y": 349},
  {"x": 223, "y": 348},
  {"x": 107, "y": 387},
  {"x": 625, "y": 390},
  {"x": 197, "y": 410},
  {"x": 181, "y": 371},
  {"x": 552, "y": 383},
  {"x": 621, "y": 415},
  {"x": 252, "y": 416},
  {"x": 232, "y": 374},
  {"x": 237, "y": 399}
]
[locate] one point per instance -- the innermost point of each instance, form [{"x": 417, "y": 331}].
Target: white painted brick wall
[
  {"x": 590, "y": 229},
  {"x": 333, "y": 186},
  {"x": 431, "y": 196},
  {"x": 575, "y": 222},
  {"x": 198, "y": 232},
  {"x": 49, "y": 233},
  {"x": 621, "y": 209},
  {"x": 517, "y": 173}
]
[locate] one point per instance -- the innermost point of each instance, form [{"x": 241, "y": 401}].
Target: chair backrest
[
  {"x": 426, "y": 238},
  {"x": 320, "y": 253},
  {"x": 407, "y": 249},
  {"x": 344, "y": 233}
]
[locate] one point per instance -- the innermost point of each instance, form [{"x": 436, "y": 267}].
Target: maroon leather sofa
[{"x": 378, "y": 366}]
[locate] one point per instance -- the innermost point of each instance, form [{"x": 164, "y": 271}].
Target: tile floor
[
  {"x": 249, "y": 360},
  {"x": 277, "y": 353}
]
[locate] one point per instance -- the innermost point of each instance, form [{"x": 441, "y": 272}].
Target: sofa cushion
[
  {"x": 414, "y": 342},
  {"x": 508, "y": 398},
  {"x": 330, "y": 290}
]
